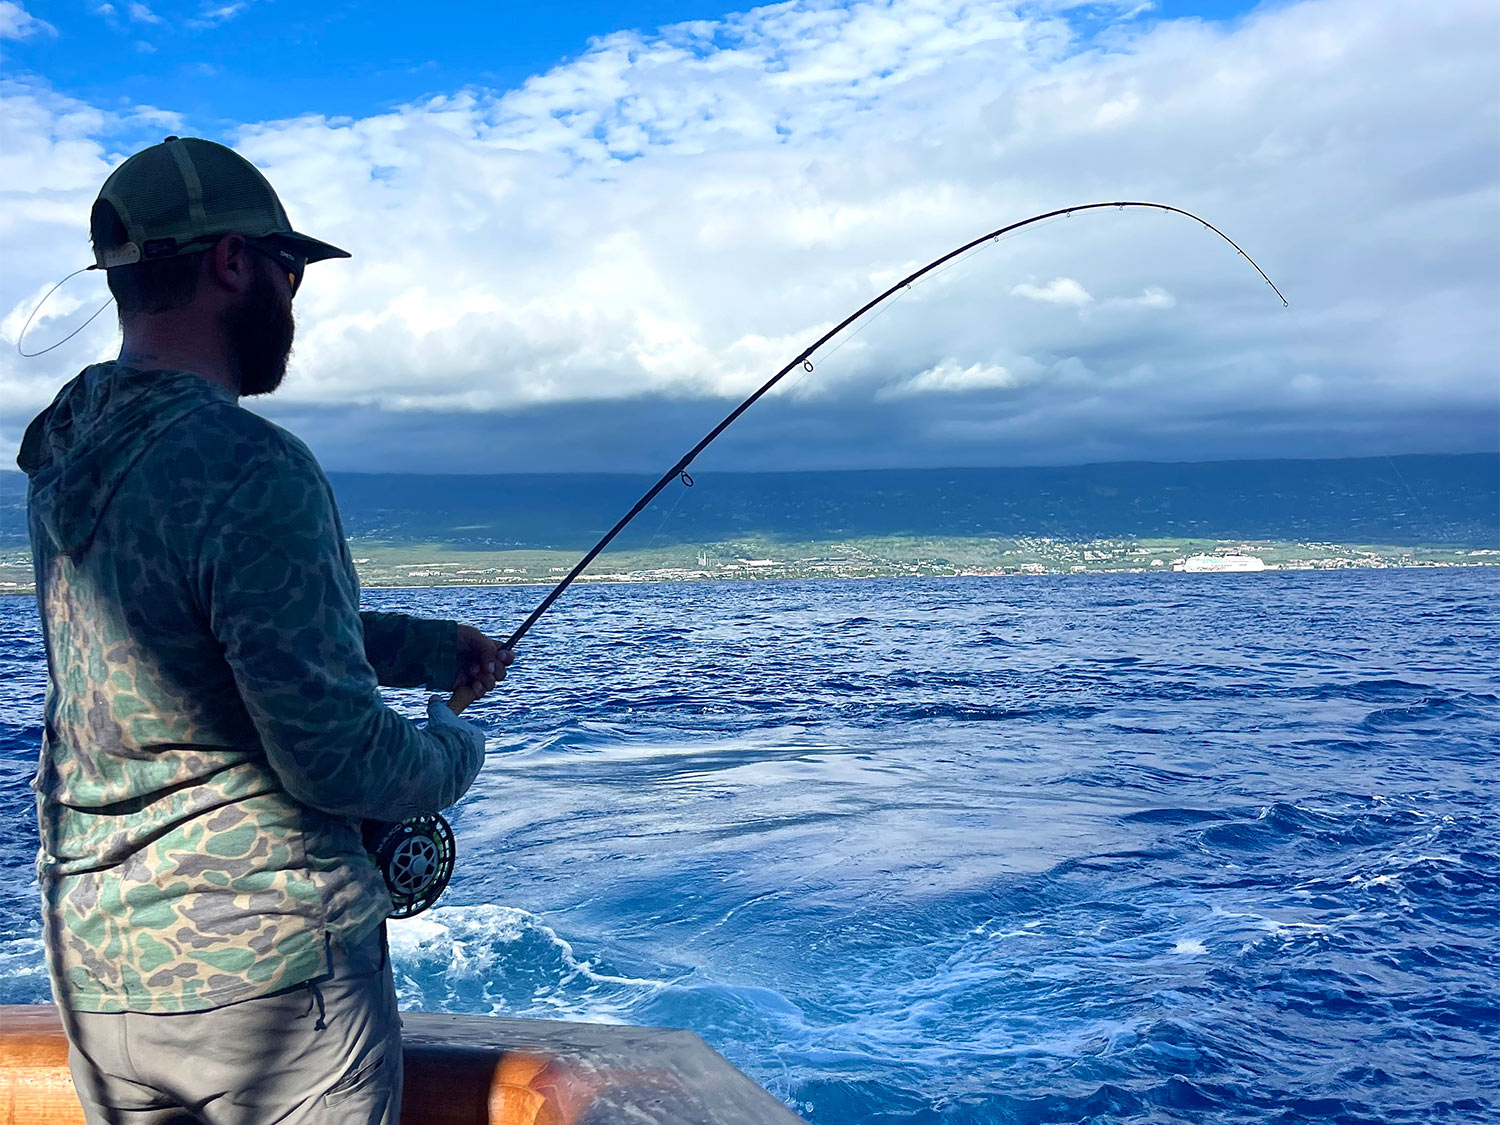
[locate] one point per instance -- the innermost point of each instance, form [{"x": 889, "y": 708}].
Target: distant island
[{"x": 415, "y": 530}]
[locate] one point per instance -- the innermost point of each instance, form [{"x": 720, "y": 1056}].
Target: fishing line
[
  {"x": 43, "y": 301},
  {"x": 1391, "y": 461},
  {"x": 679, "y": 470},
  {"x": 657, "y": 534}
]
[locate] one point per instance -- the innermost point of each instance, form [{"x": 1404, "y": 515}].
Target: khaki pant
[{"x": 324, "y": 1053}]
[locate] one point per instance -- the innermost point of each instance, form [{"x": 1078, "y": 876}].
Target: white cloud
[
  {"x": 1060, "y": 291},
  {"x": 212, "y": 15},
  {"x": 948, "y": 377},
  {"x": 142, "y": 14},
  {"x": 677, "y": 215},
  {"x": 17, "y": 23},
  {"x": 1151, "y": 297}
]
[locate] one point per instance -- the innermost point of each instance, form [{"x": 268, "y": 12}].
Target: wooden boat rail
[{"x": 468, "y": 1070}]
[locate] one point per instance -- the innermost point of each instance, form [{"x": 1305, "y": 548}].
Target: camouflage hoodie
[{"x": 213, "y": 732}]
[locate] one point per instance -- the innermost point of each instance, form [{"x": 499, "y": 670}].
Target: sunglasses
[{"x": 294, "y": 265}]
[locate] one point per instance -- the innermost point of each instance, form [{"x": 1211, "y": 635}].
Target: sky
[{"x": 581, "y": 232}]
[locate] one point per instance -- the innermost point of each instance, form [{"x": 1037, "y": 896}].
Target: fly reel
[{"x": 416, "y": 858}]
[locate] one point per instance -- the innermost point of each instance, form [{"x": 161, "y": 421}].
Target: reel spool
[{"x": 416, "y": 858}]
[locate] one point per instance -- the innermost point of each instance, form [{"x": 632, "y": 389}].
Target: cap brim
[{"x": 311, "y": 248}]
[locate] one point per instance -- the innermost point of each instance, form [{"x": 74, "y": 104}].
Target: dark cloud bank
[{"x": 1027, "y": 428}]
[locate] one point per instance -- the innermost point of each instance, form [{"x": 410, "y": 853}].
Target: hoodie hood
[{"x": 80, "y": 448}]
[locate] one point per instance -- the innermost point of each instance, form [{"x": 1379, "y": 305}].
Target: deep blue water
[{"x": 1105, "y": 848}]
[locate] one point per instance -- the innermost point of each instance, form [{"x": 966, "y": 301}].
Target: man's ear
[{"x": 231, "y": 265}]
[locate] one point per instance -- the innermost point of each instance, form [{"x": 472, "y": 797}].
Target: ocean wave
[{"x": 979, "y": 851}]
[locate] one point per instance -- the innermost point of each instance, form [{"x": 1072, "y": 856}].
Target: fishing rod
[
  {"x": 417, "y": 855},
  {"x": 804, "y": 360}
]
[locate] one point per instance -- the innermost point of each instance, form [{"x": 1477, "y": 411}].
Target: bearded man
[{"x": 214, "y": 731}]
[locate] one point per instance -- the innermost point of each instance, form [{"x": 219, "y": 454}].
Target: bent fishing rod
[
  {"x": 417, "y": 855},
  {"x": 804, "y": 360}
]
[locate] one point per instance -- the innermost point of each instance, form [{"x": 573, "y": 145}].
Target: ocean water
[{"x": 1166, "y": 848}]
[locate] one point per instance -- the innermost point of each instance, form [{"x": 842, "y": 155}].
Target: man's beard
[{"x": 260, "y": 332}]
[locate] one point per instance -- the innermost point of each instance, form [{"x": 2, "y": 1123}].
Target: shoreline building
[{"x": 1219, "y": 564}]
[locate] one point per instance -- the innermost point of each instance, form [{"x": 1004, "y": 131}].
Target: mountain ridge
[{"x": 1417, "y": 499}]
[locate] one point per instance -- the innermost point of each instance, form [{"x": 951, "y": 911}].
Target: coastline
[{"x": 390, "y": 566}]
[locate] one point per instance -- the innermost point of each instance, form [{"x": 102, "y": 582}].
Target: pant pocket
[{"x": 368, "y": 1080}]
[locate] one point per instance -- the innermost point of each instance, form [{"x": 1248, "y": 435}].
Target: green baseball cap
[{"x": 183, "y": 195}]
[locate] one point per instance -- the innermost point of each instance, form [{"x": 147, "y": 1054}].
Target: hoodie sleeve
[
  {"x": 410, "y": 651},
  {"x": 282, "y": 599}
]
